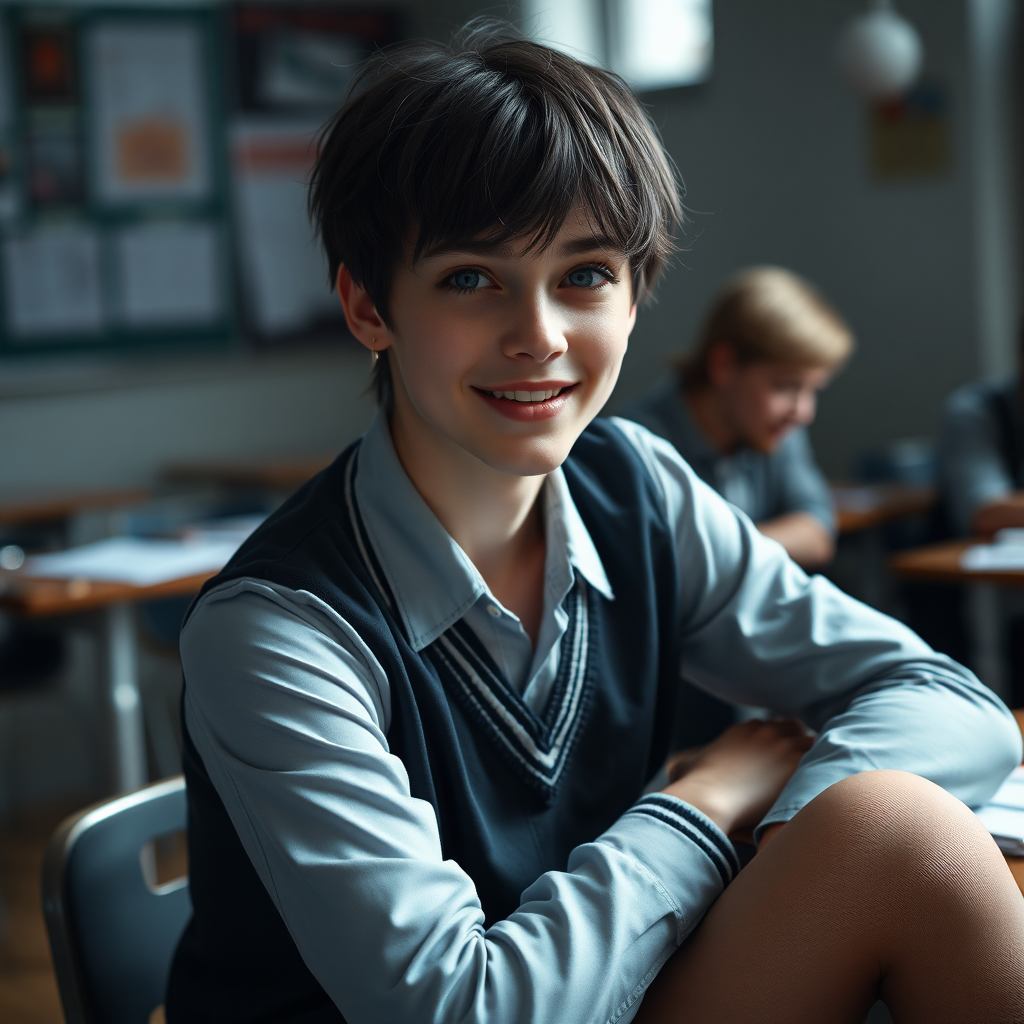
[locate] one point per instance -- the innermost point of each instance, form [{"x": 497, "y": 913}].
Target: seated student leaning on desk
[
  {"x": 737, "y": 409},
  {"x": 981, "y": 456},
  {"x": 422, "y": 701}
]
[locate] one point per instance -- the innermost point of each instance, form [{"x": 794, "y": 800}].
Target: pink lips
[{"x": 529, "y": 412}]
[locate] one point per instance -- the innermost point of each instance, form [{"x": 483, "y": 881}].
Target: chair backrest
[{"x": 112, "y": 936}]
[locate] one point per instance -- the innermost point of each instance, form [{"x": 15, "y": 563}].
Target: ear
[
  {"x": 721, "y": 363},
  {"x": 361, "y": 314}
]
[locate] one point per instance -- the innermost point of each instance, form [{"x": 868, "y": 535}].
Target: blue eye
[
  {"x": 587, "y": 277},
  {"x": 467, "y": 280}
]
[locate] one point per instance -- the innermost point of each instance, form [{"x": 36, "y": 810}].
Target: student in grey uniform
[
  {"x": 981, "y": 458},
  {"x": 737, "y": 408}
]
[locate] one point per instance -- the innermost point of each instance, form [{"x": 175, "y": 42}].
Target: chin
[
  {"x": 532, "y": 458},
  {"x": 767, "y": 445}
]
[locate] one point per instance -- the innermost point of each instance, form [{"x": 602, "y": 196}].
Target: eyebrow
[{"x": 504, "y": 251}]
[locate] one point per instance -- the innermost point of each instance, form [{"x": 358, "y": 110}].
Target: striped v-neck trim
[{"x": 537, "y": 748}]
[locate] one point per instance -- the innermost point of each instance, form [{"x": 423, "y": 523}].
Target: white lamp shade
[{"x": 880, "y": 54}]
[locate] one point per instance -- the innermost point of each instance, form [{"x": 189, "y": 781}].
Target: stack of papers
[
  {"x": 1006, "y": 553},
  {"x": 1003, "y": 815},
  {"x": 146, "y": 561}
]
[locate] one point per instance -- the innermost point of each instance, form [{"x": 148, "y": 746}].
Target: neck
[
  {"x": 494, "y": 517},
  {"x": 709, "y": 413}
]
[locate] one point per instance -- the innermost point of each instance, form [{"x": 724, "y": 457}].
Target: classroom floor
[{"x": 28, "y": 989}]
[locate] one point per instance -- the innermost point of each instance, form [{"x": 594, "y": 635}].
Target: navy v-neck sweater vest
[{"x": 513, "y": 792}]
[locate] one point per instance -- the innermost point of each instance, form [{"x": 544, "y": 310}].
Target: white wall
[
  {"x": 774, "y": 155},
  {"x": 119, "y": 426}
]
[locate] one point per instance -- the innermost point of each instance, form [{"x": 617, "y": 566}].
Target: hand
[{"x": 736, "y": 779}]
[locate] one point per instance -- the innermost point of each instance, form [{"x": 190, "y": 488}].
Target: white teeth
[{"x": 527, "y": 396}]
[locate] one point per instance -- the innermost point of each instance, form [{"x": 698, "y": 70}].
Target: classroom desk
[
  {"x": 30, "y": 508},
  {"x": 868, "y": 506},
  {"x": 278, "y": 475},
  {"x": 940, "y": 563},
  {"x": 113, "y": 604}
]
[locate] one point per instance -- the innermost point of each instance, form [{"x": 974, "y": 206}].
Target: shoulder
[
  {"x": 247, "y": 638},
  {"x": 680, "y": 491},
  {"x": 659, "y": 410},
  {"x": 794, "y": 454},
  {"x": 974, "y": 401}
]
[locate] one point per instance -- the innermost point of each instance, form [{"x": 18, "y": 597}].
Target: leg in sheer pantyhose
[{"x": 882, "y": 887}]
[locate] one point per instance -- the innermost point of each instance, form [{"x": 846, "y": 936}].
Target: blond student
[{"x": 737, "y": 408}]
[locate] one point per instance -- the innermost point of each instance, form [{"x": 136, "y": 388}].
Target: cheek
[{"x": 600, "y": 342}]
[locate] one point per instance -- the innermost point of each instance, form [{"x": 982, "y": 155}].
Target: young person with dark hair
[
  {"x": 737, "y": 407},
  {"x": 423, "y": 700}
]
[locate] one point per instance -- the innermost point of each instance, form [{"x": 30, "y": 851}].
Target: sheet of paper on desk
[
  {"x": 139, "y": 561},
  {"x": 1003, "y": 815},
  {"x": 1006, "y": 553}
]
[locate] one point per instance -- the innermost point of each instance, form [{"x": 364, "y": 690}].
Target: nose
[
  {"x": 806, "y": 407},
  {"x": 534, "y": 330}
]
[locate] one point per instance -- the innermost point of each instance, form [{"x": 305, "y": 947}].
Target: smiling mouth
[{"x": 526, "y": 396}]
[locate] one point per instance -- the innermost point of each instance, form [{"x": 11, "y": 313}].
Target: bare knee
[{"x": 901, "y": 822}]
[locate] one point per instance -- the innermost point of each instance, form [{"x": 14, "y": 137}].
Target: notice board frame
[{"x": 108, "y": 221}]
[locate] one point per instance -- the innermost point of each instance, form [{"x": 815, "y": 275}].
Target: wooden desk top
[
  {"x": 865, "y": 506},
  {"x": 43, "y": 507},
  {"x": 41, "y": 597},
  {"x": 279, "y": 475},
  {"x": 940, "y": 563}
]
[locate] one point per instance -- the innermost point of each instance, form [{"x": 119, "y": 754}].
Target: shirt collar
[{"x": 432, "y": 579}]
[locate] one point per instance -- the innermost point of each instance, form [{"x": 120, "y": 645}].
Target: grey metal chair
[{"x": 112, "y": 934}]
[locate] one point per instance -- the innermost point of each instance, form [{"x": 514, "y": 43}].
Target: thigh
[
  {"x": 883, "y": 885},
  {"x": 778, "y": 944}
]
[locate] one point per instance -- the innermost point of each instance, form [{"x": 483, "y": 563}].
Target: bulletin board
[
  {"x": 115, "y": 212},
  {"x": 293, "y": 65}
]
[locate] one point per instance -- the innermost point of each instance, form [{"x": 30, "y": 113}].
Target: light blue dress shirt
[{"x": 290, "y": 710}]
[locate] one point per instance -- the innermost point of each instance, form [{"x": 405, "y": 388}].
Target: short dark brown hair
[{"x": 492, "y": 138}]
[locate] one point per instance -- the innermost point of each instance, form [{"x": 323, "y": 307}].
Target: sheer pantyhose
[{"x": 883, "y": 887}]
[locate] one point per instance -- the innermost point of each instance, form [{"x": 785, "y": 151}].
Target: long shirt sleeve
[
  {"x": 289, "y": 711},
  {"x": 757, "y": 630}
]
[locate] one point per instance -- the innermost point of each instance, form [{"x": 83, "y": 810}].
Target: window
[{"x": 653, "y": 44}]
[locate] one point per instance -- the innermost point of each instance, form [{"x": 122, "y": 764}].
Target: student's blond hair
[{"x": 768, "y": 314}]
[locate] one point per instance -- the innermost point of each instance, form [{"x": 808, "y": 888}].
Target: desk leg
[
  {"x": 872, "y": 568},
  {"x": 987, "y": 625},
  {"x": 125, "y": 701}
]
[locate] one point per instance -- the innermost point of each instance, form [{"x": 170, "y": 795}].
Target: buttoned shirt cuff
[{"x": 687, "y": 854}]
